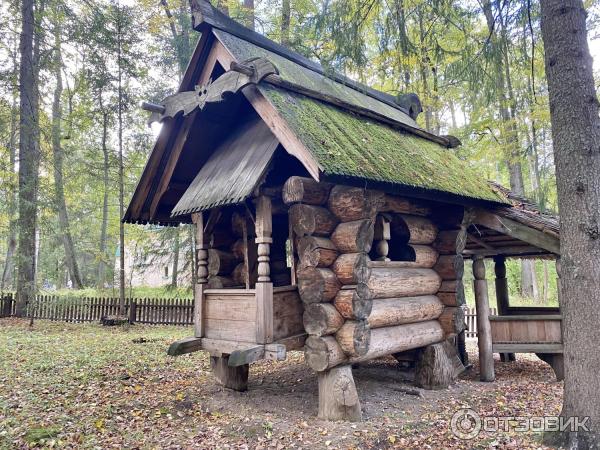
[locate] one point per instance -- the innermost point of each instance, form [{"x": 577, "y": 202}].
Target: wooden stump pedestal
[
  {"x": 235, "y": 378},
  {"x": 338, "y": 397}
]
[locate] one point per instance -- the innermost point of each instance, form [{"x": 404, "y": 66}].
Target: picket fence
[{"x": 167, "y": 311}]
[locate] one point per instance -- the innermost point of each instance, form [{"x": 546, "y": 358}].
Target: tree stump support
[
  {"x": 235, "y": 378},
  {"x": 556, "y": 361},
  {"x": 338, "y": 397},
  {"x": 435, "y": 369}
]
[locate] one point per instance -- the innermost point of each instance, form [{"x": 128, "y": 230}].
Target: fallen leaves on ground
[{"x": 86, "y": 386}]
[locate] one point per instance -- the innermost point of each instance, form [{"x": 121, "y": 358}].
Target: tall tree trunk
[
  {"x": 574, "y": 109},
  {"x": 176, "y": 245},
  {"x": 249, "y": 7},
  {"x": 507, "y": 109},
  {"x": 452, "y": 115},
  {"x": 57, "y": 152},
  {"x": 104, "y": 225},
  {"x": 11, "y": 242},
  {"x": 121, "y": 174},
  {"x": 424, "y": 67},
  {"x": 285, "y": 22},
  {"x": 28, "y": 161},
  {"x": 186, "y": 45}
]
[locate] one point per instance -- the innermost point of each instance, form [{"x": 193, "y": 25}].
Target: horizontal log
[
  {"x": 352, "y": 268},
  {"x": 425, "y": 255},
  {"x": 451, "y": 298},
  {"x": 353, "y": 203},
  {"x": 354, "y": 237},
  {"x": 389, "y": 340},
  {"x": 221, "y": 262},
  {"x": 322, "y": 319},
  {"x": 317, "y": 285},
  {"x": 421, "y": 230},
  {"x": 395, "y": 204},
  {"x": 311, "y": 220},
  {"x": 403, "y": 205},
  {"x": 450, "y": 285},
  {"x": 219, "y": 282},
  {"x": 445, "y": 243},
  {"x": 402, "y": 282},
  {"x": 354, "y": 337},
  {"x": 395, "y": 311},
  {"x": 450, "y": 267},
  {"x": 305, "y": 190},
  {"x": 452, "y": 320},
  {"x": 354, "y": 303},
  {"x": 316, "y": 251},
  {"x": 322, "y": 353}
]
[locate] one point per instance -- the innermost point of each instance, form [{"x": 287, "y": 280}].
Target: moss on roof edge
[{"x": 350, "y": 146}]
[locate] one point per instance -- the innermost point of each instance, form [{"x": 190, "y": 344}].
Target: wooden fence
[
  {"x": 141, "y": 310},
  {"x": 471, "y": 319},
  {"x": 88, "y": 309}
]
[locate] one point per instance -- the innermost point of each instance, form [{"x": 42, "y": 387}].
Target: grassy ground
[{"x": 84, "y": 386}]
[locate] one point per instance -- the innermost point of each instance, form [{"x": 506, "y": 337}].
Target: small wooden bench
[{"x": 532, "y": 333}]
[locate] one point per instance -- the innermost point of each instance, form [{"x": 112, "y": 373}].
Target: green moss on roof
[
  {"x": 348, "y": 145},
  {"x": 297, "y": 74}
]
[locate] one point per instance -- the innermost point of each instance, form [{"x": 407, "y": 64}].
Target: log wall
[{"x": 355, "y": 308}]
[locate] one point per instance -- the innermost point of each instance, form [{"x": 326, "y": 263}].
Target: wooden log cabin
[{"x": 326, "y": 218}]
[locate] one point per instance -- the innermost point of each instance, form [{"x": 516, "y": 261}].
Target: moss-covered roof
[
  {"x": 347, "y": 145},
  {"x": 310, "y": 79}
]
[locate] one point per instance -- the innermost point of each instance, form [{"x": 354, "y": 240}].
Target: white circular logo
[{"x": 465, "y": 424}]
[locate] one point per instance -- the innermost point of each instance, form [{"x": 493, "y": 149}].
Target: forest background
[{"x": 477, "y": 66}]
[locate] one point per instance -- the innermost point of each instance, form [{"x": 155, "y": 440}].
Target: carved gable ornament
[{"x": 251, "y": 71}]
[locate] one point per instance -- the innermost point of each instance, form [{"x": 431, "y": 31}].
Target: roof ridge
[{"x": 204, "y": 14}]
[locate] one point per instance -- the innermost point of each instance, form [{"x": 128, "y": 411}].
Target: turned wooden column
[
  {"x": 382, "y": 235},
  {"x": 264, "y": 287},
  {"x": 201, "y": 273},
  {"x": 502, "y": 296},
  {"x": 484, "y": 330}
]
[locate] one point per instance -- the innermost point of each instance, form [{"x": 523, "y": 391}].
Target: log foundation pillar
[
  {"x": 556, "y": 361},
  {"x": 484, "y": 330},
  {"x": 435, "y": 369},
  {"x": 235, "y": 378},
  {"x": 338, "y": 397}
]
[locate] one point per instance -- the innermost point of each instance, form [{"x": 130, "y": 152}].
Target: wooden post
[
  {"x": 235, "y": 378},
  {"x": 338, "y": 398},
  {"x": 502, "y": 297},
  {"x": 382, "y": 237},
  {"x": 132, "y": 311},
  {"x": 484, "y": 330},
  {"x": 202, "y": 274},
  {"x": 264, "y": 287}
]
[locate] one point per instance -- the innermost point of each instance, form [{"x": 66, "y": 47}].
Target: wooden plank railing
[
  {"x": 165, "y": 311},
  {"x": 471, "y": 319}
]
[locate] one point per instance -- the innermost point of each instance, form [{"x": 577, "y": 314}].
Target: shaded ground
[{"x": 85, "y": 386}]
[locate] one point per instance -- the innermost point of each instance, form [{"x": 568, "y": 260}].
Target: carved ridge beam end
[{"x": 240, "y": 75}]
